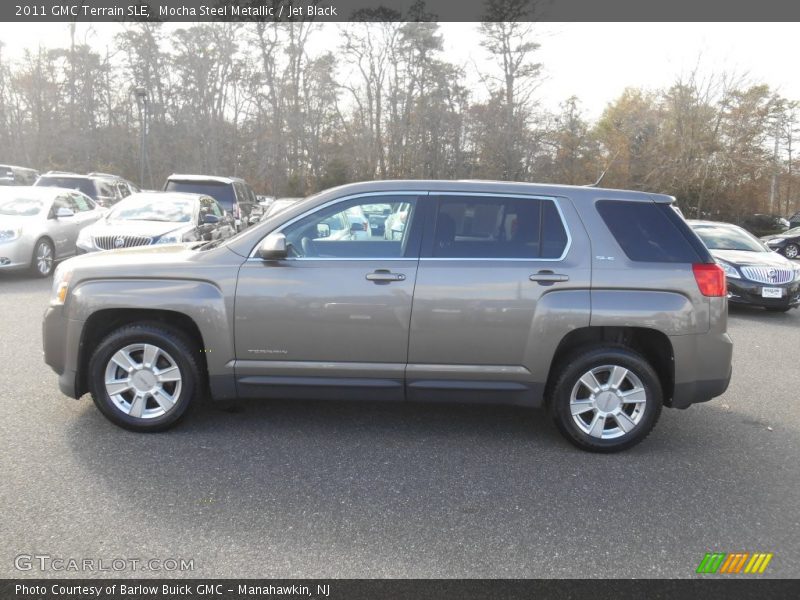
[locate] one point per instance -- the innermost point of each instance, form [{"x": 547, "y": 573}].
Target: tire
[
  {"x": 780, "y": 309},
  {"x": 637, "y": 411},
  {"x": 149, "y": 395},
  {"x": 43, "y": 258},
  {"x": 791, "y": 250}
]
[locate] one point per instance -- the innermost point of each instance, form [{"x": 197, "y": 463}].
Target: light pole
[{"x": 142, "y": 95}]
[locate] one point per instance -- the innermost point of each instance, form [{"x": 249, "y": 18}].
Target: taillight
[{"x": 710, "y": 279}]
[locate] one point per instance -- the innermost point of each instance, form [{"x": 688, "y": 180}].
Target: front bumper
[
  {"x": 61, "y": 344},
  {"x": 742, "y": 291},
  {"x": 16, "y": 254}
]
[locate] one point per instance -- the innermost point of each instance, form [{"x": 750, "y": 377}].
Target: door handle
[
  {"x": 385, "y": 276},
  {"x": 548, "y": 277}
]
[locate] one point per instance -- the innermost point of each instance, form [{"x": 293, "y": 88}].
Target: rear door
[
  {"x": 497, "y": 274},
  {"x": 331, "y": 320}
]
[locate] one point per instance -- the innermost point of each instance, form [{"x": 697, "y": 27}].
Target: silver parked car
[
  {"x": 40, "y": 225},
  {"x": 149, "y": 218},
  {"x": 601, "y": 305}
]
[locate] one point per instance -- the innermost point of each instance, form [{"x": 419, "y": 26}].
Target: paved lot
[{"x": 370, "y": 490}]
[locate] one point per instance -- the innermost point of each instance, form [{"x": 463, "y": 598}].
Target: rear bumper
[{"x": 703, "y": 367}]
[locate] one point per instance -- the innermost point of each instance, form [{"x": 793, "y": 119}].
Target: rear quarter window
[{"x": 651, "y": 232}]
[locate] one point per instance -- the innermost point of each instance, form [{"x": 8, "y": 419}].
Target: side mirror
[
  {"x": 273, "y": 247},
  {"x": 64, "y": 212},
  {"x": 209, "y": 219},
  {"x": 356, "y": 228},
  {"x": 323, "y": 230}
]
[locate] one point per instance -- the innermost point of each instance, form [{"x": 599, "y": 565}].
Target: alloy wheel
[
  {"x": 143, "y": 381},
  {"x": 608, "y": 402},
  {"x": 44, "y": 258}
]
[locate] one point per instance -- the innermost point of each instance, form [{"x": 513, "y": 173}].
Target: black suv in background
[
  {"x": 233, "y": 193},
  {"x": 103, "y": 188}
]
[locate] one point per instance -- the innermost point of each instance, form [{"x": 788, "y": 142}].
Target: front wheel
[
  {"x": 43, "y": 258},
  {"x": 606, "y": 399},
  {"x": 791, "y": 251},
  {"x": 144, "y": 376}
]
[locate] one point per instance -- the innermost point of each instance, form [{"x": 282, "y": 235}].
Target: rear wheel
[
  {"x": 144, "y": 376},
  {"x": 606, "y": 399},
  {"x": 791, "y": 251},
  {"x": 43, "y": 258}
]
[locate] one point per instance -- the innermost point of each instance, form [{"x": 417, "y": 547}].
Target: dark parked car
[
  {"x": 761, "y": 225},
  {"x": 756, "y": 275},
  {"x": 787, "y": 243},
  {"x": 151, "y": 218},
  {"x": 233, "y": 193},
  {"x": 600, "y": 305},
  {"x": 104, "y": 189},
  {"x": 14, "y": 175}
]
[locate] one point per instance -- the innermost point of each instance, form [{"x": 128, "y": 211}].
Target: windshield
[
  {"x": 721, "y": 237},
  {"x": 21, "y": 207},
  {"x": 221, "y": 192},
  {"x": 82, "y": 184},
  {"x": 157, "y": 209}
]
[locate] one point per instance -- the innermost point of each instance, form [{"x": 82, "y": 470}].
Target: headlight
[
  {"x": 61, "y": 279},
  {"x": 730, "y": 270},
  {"x": 6, "y": 235},
  {"x": 797, "y": 272},
  {"x": 776, "y": 240}
]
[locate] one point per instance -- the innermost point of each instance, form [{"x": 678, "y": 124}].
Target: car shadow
[{"x": 758, "y": 314}]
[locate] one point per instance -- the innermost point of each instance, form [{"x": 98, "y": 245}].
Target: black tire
[
  {"x": 47, "y": 245},
  {"x": 780, "y": 309},
  {"x": 791, "y": 250},
  {"x": 581, "y": 362},
  {"x": 179, "y": 348}
]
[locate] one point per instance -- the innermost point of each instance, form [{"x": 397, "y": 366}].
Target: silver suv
[{"x": 602, "y": 305}]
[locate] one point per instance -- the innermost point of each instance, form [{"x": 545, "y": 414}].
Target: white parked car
[{"x": 40, "y": 225}]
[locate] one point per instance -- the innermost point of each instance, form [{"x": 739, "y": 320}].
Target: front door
[{"x": 331, "y": 320}]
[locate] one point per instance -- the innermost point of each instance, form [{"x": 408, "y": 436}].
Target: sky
[{"x": 593, "y": 61}]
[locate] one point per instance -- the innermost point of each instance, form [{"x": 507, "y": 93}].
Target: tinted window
[
  {"x": 646, "y": 231},
  {"x": 343, "y": 231},
  {"x": 497, "y": 227},
  {"x": 81, "y": 184},
  {"x": 221, "y": 192}
]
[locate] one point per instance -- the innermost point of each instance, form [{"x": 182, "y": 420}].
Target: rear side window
[
  {"x": 498, "y": 227},
  {"x": 649, "y": 231}
]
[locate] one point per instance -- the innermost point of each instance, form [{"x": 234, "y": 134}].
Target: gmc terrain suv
[{"x": 602, "y": 305}]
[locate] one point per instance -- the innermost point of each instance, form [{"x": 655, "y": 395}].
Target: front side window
[
  {"x": 498, "y": 227},
  {"x": 343, "y": 230}
]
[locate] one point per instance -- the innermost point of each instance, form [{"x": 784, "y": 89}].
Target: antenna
[{"x": 603, "y": 174}]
